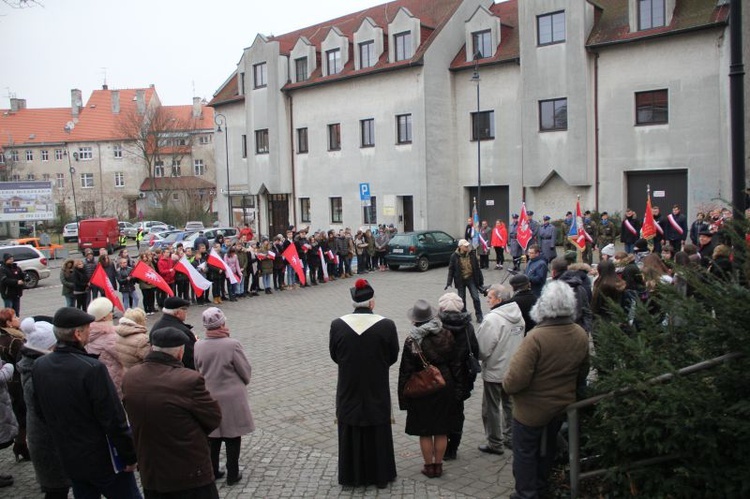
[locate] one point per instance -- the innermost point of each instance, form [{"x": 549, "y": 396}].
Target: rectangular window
[
  {"x": 45, "y": 177},
  {"x": 333, "y": 61},
  {"x": 205, "y": 139},
  {"x": 199, "y": 168},
  {"x": 370, "y": 213},
  {"x": 550, "y": 28},
  {"x": 652, "y": 108},
  {"x": 159, "y": 169},
  {"x": 117, "y": 151},
  {"x": 304, "y": 209},
  {"x": 553, "y": 115},
  {"x": 85, "y": 153},
  {"x": 261, "y": 141},
  {"x": 300, "y": 68},
  {"x": 119, "y": 179},
  {"x": 483, "y": 125},
  {"x": 87, "y": 180},
  {"x": 15, "y": 177},
  {"x": 30, "y": 176},
  {"x": 403, "y": 46},
  {"x": 337, "y": 211},
  {"x": 260, "y": 75},
  {"x": 368, "y": 132},
  {"x": 2, "y": 158},
  {"x": 302, "y": 146},
  {"x": 242, "y": 84},
  {"x": 58, "y": 154},
  {"x": 45, "y": 155},
  {"x": 334, "y": 137},
  {"x": 60, "y": 180},
  {"x": 176, "y": 170},
  {"x": 403, "y": 128},
  {"x": 367, "y": 54},
  {"x": 482, "y": 44},
  {"x": 651, "y": 14},
  {"x": 14, "y": 155},
  {"x": 29, "y": 155},
  {"x": 244, "y": 146}
]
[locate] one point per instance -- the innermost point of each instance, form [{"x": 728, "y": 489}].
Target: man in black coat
[
  {"x": 77, "y": 400},
  {"x": 174, "y": 314},
  {"x": 525, "y": 299},
  {"x": 11, "y": 283},
  {"x": 464, "y": 272},
  {"x": 676, "y": 228},
  {"x": 364, "y": 345}
]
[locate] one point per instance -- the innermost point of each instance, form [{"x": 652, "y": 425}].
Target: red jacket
[{"x": 166, "y": 269}]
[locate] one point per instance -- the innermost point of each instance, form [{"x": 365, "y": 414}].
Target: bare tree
[{"x": 11, "y": 165}]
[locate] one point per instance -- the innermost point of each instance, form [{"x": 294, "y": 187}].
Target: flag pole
[{"x": 579, "y": 250}]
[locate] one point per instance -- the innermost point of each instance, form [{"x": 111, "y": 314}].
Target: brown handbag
[{"x": 424, "y": 382}]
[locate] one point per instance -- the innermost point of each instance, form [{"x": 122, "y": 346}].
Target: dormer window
[
  {"x": 550, "y": 28},
  {"x": 300, "y": 68},
  {"x": 367, "y": 58},
  {"x": 482, "y": 44},
  {"x": 403, "y": 45},
  {"x": 333, "y": 61},
  {"x": 651, "y": 14}
]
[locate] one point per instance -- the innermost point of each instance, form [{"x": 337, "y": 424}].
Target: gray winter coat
[{"x": 8, "y": 423}]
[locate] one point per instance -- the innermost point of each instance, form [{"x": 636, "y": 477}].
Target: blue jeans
[
  {"x": 116, "y": 486},
  {"x": 533, "y": 454},
  {"x": 629, "y": 248},
  {"x": 129, "y": 299},
  {"x": 266, "y": 281},
  {"x": 70, "y": 300},
  {"x": 474, "y": 293},
  {"x": 14, "y": 303}
]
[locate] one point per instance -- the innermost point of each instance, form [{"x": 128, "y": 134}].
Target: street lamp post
[
  {"x": 220, "y": 120},
  {"x": 72, "y": 180},
  {"x": 477, "y": 134}
]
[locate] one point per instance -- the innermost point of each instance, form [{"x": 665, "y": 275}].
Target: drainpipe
[
  {"x": 596, "y": 132},
  {"x": 291, "y": 152},
  {"x": 737, "y": 109},
  {"x": 101, "y": 175}
]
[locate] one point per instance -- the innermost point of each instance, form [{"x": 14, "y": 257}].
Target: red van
[{"x": 98, "y": 233}]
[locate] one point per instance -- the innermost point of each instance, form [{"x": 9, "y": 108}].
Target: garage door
[
  {"x": 493, "y": 205},
  {"x": 668, "y": 187}
]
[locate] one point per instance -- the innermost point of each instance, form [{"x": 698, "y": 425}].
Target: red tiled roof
[
  {"x": 34, "y": 126},
  {"x": 97, "y": 122},
  {"x": 613, "y": 25},
  {"x": 184, "y": 114},
  {"x": 228, "y": 92},
  {"x": 509, "y": 48},
  {"x": 176, "y": 184}
]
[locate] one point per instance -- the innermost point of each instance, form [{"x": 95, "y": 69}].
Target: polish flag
[
  {"x": 271, "y": 255},
  {"x": 199, "y": 283},
  {"x": 323, "y": 264},
  {"x": 101, "y": 280},
  {"x": 523, "y": 233},
  {"x": 216, "y": 261},
  {"x": 147, "y": 274},
  {"x": 648, "y": 229},
  {"x": 291, "y": 256}
]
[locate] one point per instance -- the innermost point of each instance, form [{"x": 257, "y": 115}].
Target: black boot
[{"x": 451, "y": 450}]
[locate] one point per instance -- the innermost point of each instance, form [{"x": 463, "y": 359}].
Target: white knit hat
[
  {"x": 39, "y": 335},
  {"x": 100, "y": 307}
]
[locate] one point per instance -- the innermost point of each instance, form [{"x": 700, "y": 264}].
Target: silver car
[{"x": 31, "y": 261}]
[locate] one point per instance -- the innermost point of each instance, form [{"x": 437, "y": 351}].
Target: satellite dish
[{"x": 69, "y": 126}]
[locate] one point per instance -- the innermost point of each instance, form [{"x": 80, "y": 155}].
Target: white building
[{"x": 575, "y": 97}]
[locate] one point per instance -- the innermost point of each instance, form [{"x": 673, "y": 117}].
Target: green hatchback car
[{"x": 422, "y": 248}]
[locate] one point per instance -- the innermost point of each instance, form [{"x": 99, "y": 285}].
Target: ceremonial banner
[
  {"x": 291, "y": 256},
  {"x": 100, "y": 279},
  {"x": 147, "y": 274},
  {"x": 523, "y": 232}
]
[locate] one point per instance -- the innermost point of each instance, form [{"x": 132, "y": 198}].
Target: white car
[
  {"x": 70, "y": 232},
  {"x": 31, "y": 261}
]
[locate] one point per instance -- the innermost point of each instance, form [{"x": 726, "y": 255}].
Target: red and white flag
[
  {"x": 271, "y": 255},
  {"x": 215, "y": 260},
  {"x": 648, "y": 229},
  {"x": 523, "y": 232},
  {"x": 323, "y": 264},
  {"x": 147, "y": 274},
  {"x": 100, "y": 280},
  {"x": 291, "y": 256},
  {"x": 199, "y": 283}
]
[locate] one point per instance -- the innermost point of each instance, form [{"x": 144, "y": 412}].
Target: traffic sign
[{"x": 364, "y": 192}]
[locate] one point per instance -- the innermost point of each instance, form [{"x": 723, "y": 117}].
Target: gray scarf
[{"x": 417, "y": 333}]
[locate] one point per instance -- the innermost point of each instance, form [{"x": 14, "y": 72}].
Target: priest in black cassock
[{"x": 364, "y": 345}]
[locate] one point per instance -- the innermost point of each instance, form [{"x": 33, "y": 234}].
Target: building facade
[{"x": 436, "y": 105}]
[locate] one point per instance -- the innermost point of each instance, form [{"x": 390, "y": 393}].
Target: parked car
[
  {"x": 124, "y": 226},
  {"x": 168, "y": 238},
  {"x": 31, "y": 261},
  {"x": 193, "y": 226},
  {"x": 96, "y": 233},
  {"x": 34, "y": 241},
  {"x": 231, "y": 234},
  {"x": 422, "y": 248},
  {"x": 148, "y": 226},
  {"x": 70, "y": 232}
]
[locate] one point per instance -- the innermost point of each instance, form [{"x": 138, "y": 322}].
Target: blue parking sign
[{"x": 364, "y": 192}]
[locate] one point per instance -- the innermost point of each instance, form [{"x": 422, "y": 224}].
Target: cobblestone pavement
[{"x": 293, "y": 452}]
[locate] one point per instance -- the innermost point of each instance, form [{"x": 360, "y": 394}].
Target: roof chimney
[
  {"x": 115, "y": 94},
  {"x": 140, "y": 101},
  {"x": 105, "y": 87},
  {"x": 197, "y": 108},
  {"x": 76, "y": 102},
  {"x": 17, "y": 104}
]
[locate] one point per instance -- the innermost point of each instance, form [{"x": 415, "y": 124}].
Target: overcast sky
[{"x": 184, "y": 47}]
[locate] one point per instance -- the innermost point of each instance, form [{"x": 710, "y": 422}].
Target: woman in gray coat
[
  {"x": 222, "y": 362},
  {"x": 47, "y": 465}
]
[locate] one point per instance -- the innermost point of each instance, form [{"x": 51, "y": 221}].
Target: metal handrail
[{"x": 574, "y": 441}]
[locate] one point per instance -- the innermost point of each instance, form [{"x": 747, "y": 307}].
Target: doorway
[
  {"x": 407, "y": 203},
  {"x": 668, "y": 187},
  {"x": 278, "y": 214},
  {"x": 494, "y": 204}
]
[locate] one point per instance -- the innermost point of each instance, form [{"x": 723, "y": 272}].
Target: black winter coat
[
  {"x": 454, "y": 270},
  {"x": 525, "y": 299},
  {"x": 464, "y": 338},
  {"x": 76, "y": 398},
  {"x": 172, "y": 321},
  {"x": 10, "y": 275}
]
